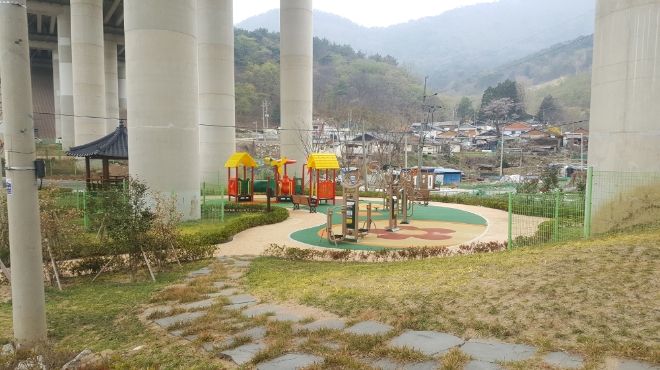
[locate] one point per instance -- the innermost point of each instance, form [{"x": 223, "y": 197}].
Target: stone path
[{"x": 241, "y": 347}]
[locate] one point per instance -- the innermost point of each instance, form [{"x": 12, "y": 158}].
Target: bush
[
  {"x": 385, "y": 255},
  {"x": 212, "y": 234}
]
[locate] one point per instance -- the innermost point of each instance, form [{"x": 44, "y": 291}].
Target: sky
[{"x": 368, "y": 13}]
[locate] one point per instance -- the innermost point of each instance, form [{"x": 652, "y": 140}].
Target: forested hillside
[
  {"x": 375, "y": 88},
  {"x": 456, "y": 45}
]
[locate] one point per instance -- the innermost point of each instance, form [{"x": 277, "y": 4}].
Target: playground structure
[
  {"x": 350, "y": 211},
  {"x": 321, "y": 190},
  {"x": 241, "y": 189},
  {"x": 397, "y": 199},
  {"x": 285, "y": 186}
]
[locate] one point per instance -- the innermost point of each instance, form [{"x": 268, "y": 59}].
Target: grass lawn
[
  {"x": 104, "y": 315},
  {"x": 597, "y": 298}
]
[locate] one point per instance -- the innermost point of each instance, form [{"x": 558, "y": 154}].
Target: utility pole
[
  {"x": 502, "y": 156},
  {"x": 405, "y": 151},
  {"x": 364, "y": 157},
  {"x": 581, "y": 152},
  {"x": 27, "y": 279},
  {"x": 264, "y": 110}
]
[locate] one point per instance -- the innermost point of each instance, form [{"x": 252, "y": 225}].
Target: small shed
[
  {"x": 317, "y": 163},
  {"x": 109, "y": 147},
  {"x": 447, "y": 176}
]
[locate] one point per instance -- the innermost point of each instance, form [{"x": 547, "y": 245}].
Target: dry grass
[{"x": 597, "y": 298}]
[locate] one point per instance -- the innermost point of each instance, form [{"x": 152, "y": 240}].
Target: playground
[{"x": 402, "y": 218}]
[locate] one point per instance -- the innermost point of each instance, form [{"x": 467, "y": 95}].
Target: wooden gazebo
[{"x": 110, "y": 147}]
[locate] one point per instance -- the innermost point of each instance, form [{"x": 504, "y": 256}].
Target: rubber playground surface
[{"x": 430, "y": 226}]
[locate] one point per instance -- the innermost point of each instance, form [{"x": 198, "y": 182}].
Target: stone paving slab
[
  {"x": 190, "y": 338},
  {"x": 564, "y": 360},
  {"x": 428, "y": 365},
  {"x": 219, "y": 284},
  {"x": 252, "y": 312},
  {"x": 208, "y": 347},
  {"x": 241, "y": 298},
  {"x": 480, "y": 365},
  {"x": 242, "y": 263},
  {"x": 634, "y": 365},
  {"x": 491, "y": 351},
  {"x": 369, "y": 327},
  {"x": 285, "y": 317},
  {"x": 386, "y": 364},
  {"x": 238, "y": 306},
  {"x": 228, "y": 292},
  {"x": 177, "y": 333},
  {"x": 290, "y": 362},
  {"x": 332, "y": 345},
  {"x": 430, "y": 343},
  {"x": 201, "y": 272},
  {"x": 254, "y": 333},
  {"x": 243, "y": 354},
  {"x": 184, "y": 317},
  {"x": 197, "y": 305},
  {"x": 323, "y": 324},
  {"x": 214, "y": 295}
]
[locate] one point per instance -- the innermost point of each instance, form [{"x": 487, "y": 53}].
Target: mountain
[{"x": 457, "y": 44}]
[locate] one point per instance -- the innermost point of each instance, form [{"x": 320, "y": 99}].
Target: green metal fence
[
  {"x": 622, "y": 200},
  {"x": 542, "y": 218}
]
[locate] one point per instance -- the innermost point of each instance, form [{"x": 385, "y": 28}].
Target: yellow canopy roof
[
  {"x": 323, "y": 161},
  {"x": 240, "y": 158}
]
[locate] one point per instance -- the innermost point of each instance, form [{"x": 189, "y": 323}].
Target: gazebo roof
[{"x": 114, "y": 146}]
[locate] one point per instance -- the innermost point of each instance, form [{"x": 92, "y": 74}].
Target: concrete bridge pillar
[
  {"x": 111, "y": 87},
  {"x": 121, "y": 73},
  {"x": 217, "y": 113},
  {"x": 66, "y": 80},
  {"x": 88, "y": 70},
  {"x": 163, "y": 116},
  {"x": 624, "y": 127},
  {"x": 296, "y": 90}
]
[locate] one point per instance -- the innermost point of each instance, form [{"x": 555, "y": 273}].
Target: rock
[
  {"x": 138, "y": 348},
  {"x": 75, "y": 363},
  {"x": 32, "y": 364},
  {"x": 7, "y": 350},
  {"x": 94, "y": 359}
]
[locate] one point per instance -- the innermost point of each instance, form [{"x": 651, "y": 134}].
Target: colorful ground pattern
[{"x": 430, "y": 226}]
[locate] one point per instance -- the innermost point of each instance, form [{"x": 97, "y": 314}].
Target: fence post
[
  {"x": 222, "y": 204},
  {"x": 510, "y": 238},
  {"x": 77, "y": 197},
  {"x": 219, "y": 185},
  {"x": 85, "y": 219},
  {"x": 588, "y": 201},
  {"x": 556, "y": 233}
]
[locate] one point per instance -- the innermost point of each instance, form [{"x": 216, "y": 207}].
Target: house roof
[
  {"x": 466, "y": 127},
  {"x": 240, "y": 158},
  {"x": 581, "y": 131},
  {"x": 536, "y": 133},
  {"x": 448, "y": 134},
  {"x": 322, "y": 161},
  {"x": 113, "y": 146},
  {"x": 518, "y": 126}
]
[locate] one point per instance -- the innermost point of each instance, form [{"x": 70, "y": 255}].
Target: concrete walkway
[{"x": 241, "y": 347}]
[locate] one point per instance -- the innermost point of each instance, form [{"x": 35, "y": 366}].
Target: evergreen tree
[
  {"x": 464, "y": 111},
  {"x": 550, "y": 110}
]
